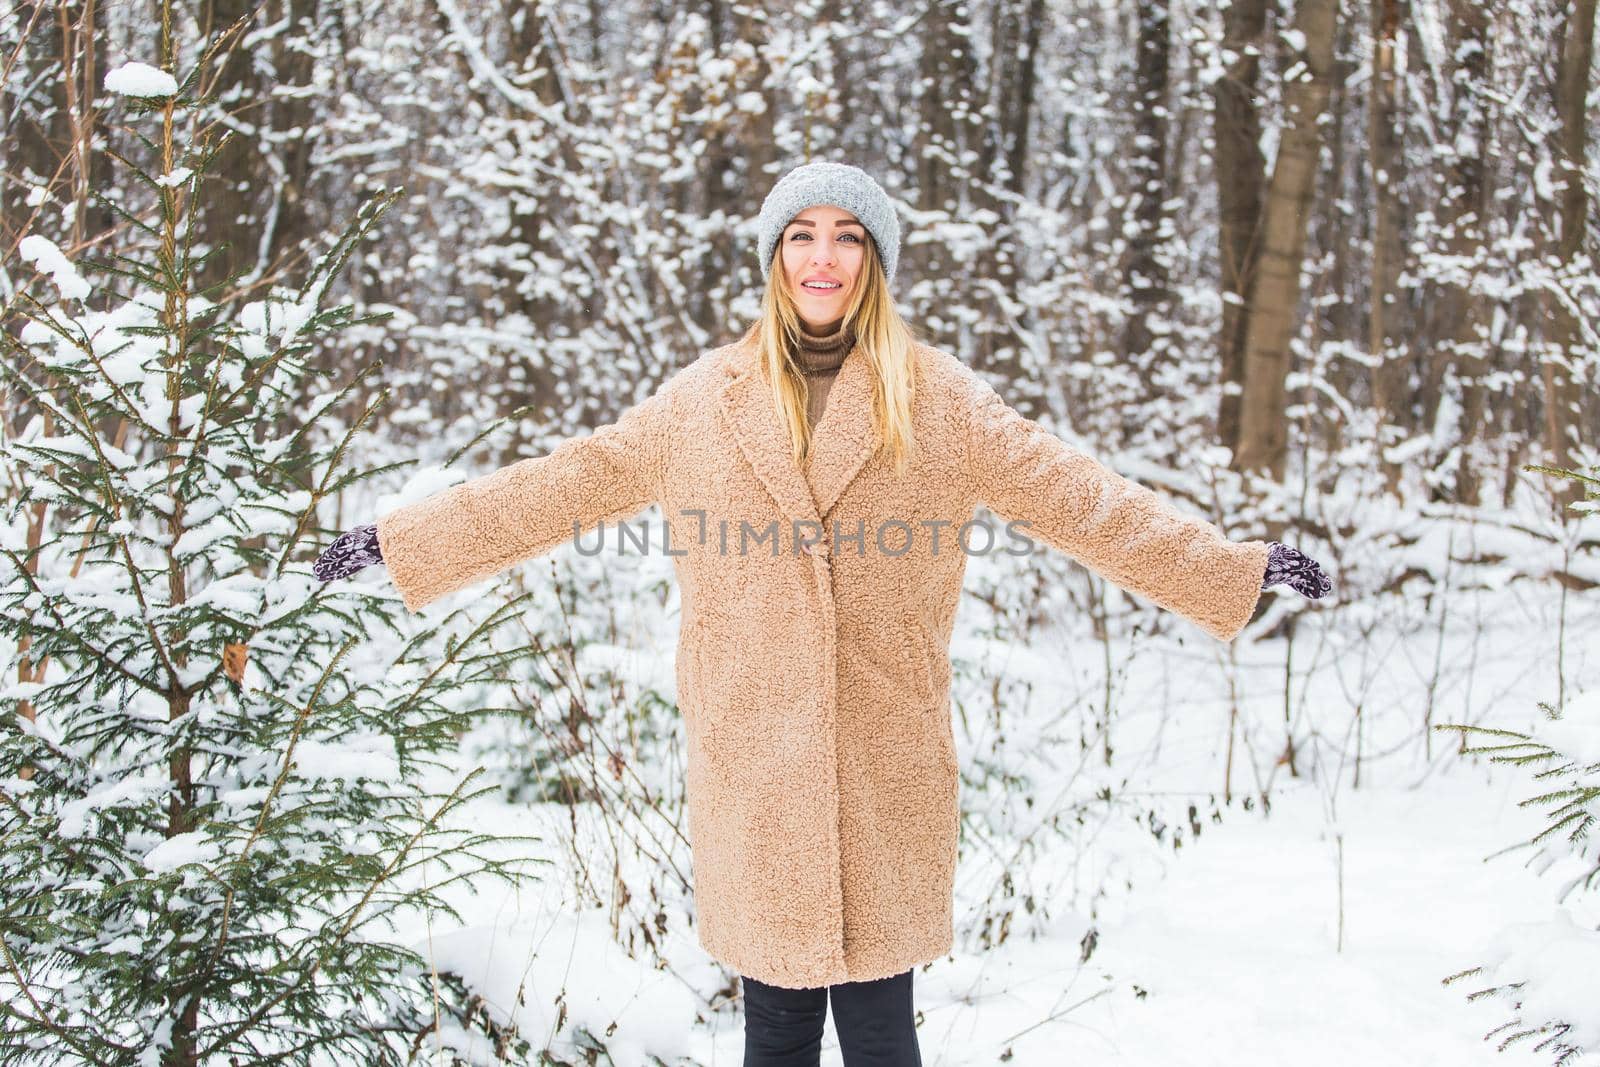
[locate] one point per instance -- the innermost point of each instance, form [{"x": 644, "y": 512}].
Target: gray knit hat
[{"x": 839, "y": 185}]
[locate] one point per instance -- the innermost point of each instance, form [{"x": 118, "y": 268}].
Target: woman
[{"x": 813, "y": 671}]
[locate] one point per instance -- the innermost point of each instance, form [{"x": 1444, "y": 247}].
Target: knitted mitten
[
  {"x": 1291, "y": 567},
  {"x": 351, "y": 551}
]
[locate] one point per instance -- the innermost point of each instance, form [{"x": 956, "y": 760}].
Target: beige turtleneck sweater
[{"x": 819, "y": 357}]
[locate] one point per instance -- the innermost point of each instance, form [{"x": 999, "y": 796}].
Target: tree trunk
[
  {"x": 535, "y": 64},
  {"x": 253, "y": 203},
  {"x": 1464, "y": 211},
  {"x": 293, "y": 121},
  {"x": 949, "y": 127},
  {"x": 1020, "y": 114},
  {"x": 37, "y": 144},
  {"x": 1335, "y": 228},
  {"x": 949, "y": 109},
  {"x": 1240, "y": 176},
  {"x": 228, "y": 214},
  {"x": 758, "y": 138},
  {"x": 1564, "y": 349},
  {"x": 1145, "y": 270},
  {"x": 1274, "y": 304},
  {"x": 1014, "y": 28},
  {"x": 735, "y": 170},
  {"x": 753, "y": 142},
  {"x": 1385, "y": 342}
]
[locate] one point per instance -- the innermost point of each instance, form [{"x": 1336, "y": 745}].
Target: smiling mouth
[{"x": 817, "y": 287}]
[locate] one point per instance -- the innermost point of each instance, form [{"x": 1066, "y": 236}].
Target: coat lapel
[
  {"x": 843, "y": 439},
  {"x": 747, "y": 404},
  {"x": 841, "y": 442}
]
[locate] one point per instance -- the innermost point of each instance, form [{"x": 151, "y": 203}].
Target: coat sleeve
[
  {"x": 1117, "y": 528},
  {"x": 481, "y": 527}
]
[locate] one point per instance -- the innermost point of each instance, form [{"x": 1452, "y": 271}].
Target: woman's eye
[{"x": 852, "y": 237}]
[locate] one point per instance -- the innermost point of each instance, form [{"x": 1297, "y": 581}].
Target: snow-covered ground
[
  {"x": 1232, "y": 959},
  {"x": 1236, "y": 954},
  {"x": 1316, "y": 932}
]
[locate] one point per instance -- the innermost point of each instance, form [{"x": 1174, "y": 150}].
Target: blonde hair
[{"x": 882, "y": 335}]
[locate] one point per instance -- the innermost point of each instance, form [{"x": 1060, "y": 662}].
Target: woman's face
[{"x": 823, "y": 250}]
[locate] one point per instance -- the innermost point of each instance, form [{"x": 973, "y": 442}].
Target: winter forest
[{"x": 1318, "y": 271}]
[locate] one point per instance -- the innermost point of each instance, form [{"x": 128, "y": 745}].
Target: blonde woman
[{"x": 819, "y": 480}]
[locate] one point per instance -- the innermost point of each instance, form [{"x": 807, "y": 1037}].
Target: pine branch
[
  {"x": 266, "y": 806},
  {"x": 42, "y": 1016},
  {"x": 227, "y": 1038},
  {"x": 67, "y": 632},
  {"x": 133, "y": 570}
]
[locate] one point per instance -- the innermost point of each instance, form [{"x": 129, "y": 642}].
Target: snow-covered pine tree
[
  {"x": 1545, "y": 971},
  {"x": 222, "y": 789}
]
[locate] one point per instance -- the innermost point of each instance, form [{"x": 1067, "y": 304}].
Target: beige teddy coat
[{"x": 814, "y": 681}]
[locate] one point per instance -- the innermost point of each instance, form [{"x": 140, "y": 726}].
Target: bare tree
[
  {"x": 738, "y": 155},
  {"x": 1273, "y": 310},
  {"x": 255, "y": 207},
  {"x": 51, "y": 140},
  {"x": 950, "y": 113},
  {"x": 537, "y": 211},
  {"x": 1017, "y": 114},
  {"x": 1464, "y": 213},
  {"x": 949, "y": 145},
  {"x": 1241, "y": 181},
  {"x": 1385, "y": 335},
  {"x": 1145, "y": 267},
  {"x": 1565, "y": 343}
]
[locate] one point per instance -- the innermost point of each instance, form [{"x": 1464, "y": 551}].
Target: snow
[
  {"x": 268, "y": 324},
  {"x": 196, "y": 541},
  {"x": 1544, "y": 182},
  {"x": 1232, "y": 959},
  {"x": 1558, "y": 963},
  {"x": 581, "y": 969},
  {"x": 358, "y": 756},
  {"x": 252, "y": 797},
  {"x": 35, "y": 332},
  {"x": 287, "y": 594},
  {"x": 131, "y": 792},
  {"x": 174, "y": 852},
  {"x": 1576, "y": 734},
  {"x": 1239, "y": 952},
  {"x": 42, "y": 253},
  {"x": 423, "y": 483},
  {"x": 140, "y": 80},
  {"x": 160, "y": 1041},
  {"x": 128, "y": 943},
  {"x": 20, "y": 691},
  {"x": 1408, "y": 450}
]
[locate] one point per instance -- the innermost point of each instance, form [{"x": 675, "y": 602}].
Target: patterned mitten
[
  {"x": 351, "y": 551},
  {"x": 1291, "y": 567}
]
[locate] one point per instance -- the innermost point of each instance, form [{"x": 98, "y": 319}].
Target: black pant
[{"x": 874, "y": 1021}]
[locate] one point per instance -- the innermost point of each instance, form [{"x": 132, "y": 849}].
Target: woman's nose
[{"x": 822, "y": 253}]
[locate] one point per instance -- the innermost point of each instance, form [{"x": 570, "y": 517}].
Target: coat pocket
[{"x": 919, "y": 659}]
